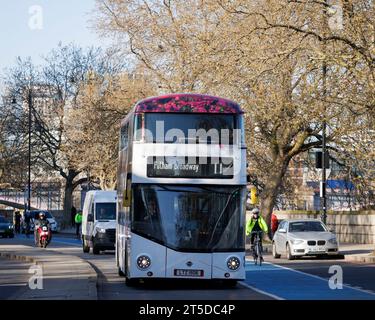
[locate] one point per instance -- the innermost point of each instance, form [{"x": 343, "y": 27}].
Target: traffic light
[{"x": 253, "y": 195}]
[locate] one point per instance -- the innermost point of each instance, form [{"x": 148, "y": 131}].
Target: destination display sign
[{"x": 184, "y": 167}]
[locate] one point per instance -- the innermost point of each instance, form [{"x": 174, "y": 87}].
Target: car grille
[
  {"x": 321, "y": 242},
  {"x": 311, "y": 243},
  {"x": 111, "y": 233}
]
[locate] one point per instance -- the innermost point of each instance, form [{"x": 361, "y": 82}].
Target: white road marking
[{"x": 260, "y": 291}]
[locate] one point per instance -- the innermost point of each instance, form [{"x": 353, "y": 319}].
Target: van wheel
[
  {"x": 131, "y": 282},
  {"x": 120, "y": 273},
  {"x": 85, "y": 247},
  {"x": 95, "y": 249}
]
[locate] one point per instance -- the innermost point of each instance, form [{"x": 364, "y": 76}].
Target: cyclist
[{"x": 254, "y": 225}]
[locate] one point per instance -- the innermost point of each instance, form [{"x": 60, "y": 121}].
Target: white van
[{"x": 99, "y": 221}]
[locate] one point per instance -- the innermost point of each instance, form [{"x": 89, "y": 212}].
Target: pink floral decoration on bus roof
[{"x": 197, "y": 103}]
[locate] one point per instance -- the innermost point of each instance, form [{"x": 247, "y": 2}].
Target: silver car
[{"x": 297, "y": 238}]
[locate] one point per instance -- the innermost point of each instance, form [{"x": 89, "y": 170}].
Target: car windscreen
[
  {"x": 105, "y": 211},
  {"x": 306, "y": 226}
]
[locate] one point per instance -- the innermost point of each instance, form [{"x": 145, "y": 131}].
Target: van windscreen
[{"x": 105, "y": 211}]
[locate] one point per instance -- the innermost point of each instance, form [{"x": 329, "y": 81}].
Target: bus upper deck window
[{"x": 139, "y": 127}]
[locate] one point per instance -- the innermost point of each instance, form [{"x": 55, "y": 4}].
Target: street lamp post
[
  {"x": 29, "y": 102},
  {"x": 323, "y": 186}
]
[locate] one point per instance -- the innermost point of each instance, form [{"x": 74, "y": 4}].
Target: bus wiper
[
  {"x": 221, "y": 214},
  {"x": 212, "y": 190}
]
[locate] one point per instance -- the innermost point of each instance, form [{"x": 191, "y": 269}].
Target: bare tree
[
  {"x": 55, "y": 88},
  {"x": 267, "y": 55},
  {"x": 92, "y": 129}
]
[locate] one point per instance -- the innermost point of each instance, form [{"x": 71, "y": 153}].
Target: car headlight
[
  {"x": 100, "y": 230},
  {"x": 296, "y": 241},
  {"x": 333, "y": 240},
  {"x": 143, "y": 262},
  {"x": 10, "y": 227},
  {"x": 233, "y": 263}
]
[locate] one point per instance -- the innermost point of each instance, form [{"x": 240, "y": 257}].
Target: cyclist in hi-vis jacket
[{"x": 256, "y": 223}]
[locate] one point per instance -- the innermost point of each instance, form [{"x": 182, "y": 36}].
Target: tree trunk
[
  {"x": 70, "y": 185},
  {"x": 68, "y": 201},
  {"x": 271, "y": 190}
]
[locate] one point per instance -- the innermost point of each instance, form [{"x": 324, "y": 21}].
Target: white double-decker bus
[{"x": 182, "y": 190}]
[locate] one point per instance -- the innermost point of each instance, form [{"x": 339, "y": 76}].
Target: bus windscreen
[{"x": 190, "y": 218}]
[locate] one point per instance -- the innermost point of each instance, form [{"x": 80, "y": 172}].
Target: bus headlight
[
  {"x": 143, "y": 262},
  {"x": 233, "y": 263}
]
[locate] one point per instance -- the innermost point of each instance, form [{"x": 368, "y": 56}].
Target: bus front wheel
[
  {"x": 230, "y": 283},
  {"x": 131, "y": 282}
]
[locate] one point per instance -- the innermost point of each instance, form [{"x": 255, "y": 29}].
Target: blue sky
[{"x": 63, "y": 20}]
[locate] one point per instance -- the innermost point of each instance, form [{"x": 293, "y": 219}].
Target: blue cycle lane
[
  {"x": 55, "y": 239},
  {"x": 288, "y": 284}
]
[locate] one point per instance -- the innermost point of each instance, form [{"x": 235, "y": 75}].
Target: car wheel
[
  {"x": 289, "y": 255},
  {"x": 274, "y": 252},
  {"x": 85, "y": 247}
]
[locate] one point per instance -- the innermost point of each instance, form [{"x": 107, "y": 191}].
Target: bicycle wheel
[
  {"x": 259, "y": 253},
  {"x": 255, "y": 255}
]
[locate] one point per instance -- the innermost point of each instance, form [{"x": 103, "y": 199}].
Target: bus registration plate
[{"x": 188, "y": 273}]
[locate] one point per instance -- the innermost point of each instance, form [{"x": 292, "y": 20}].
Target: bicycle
[{"x": 257, "y": 248}]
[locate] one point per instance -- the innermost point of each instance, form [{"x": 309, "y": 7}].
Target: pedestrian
[
  {"x": 17, "y": 221},
  {"x": 274, "y": 223},
  {"x": 73, "y": 213},
  {"x": 27, "y": 220},
  {"x": 78, "y": 222}
]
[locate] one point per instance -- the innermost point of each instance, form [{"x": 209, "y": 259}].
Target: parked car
[
  {"x": 308, "y": 237},
  {"x": 6, "y": 228},
  {"x": 35, "y": 215}
]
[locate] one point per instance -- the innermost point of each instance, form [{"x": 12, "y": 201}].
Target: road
[{"x": 276, "y": 279}]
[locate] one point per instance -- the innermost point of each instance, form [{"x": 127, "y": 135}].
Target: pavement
[
  {"x": 351, "y": 252},
  {"x": 64, "y": 277},
  {"x": 359, "y": 252}
]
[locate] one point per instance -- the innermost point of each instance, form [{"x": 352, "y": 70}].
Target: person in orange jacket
[{"x": 274, "y": 223}]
